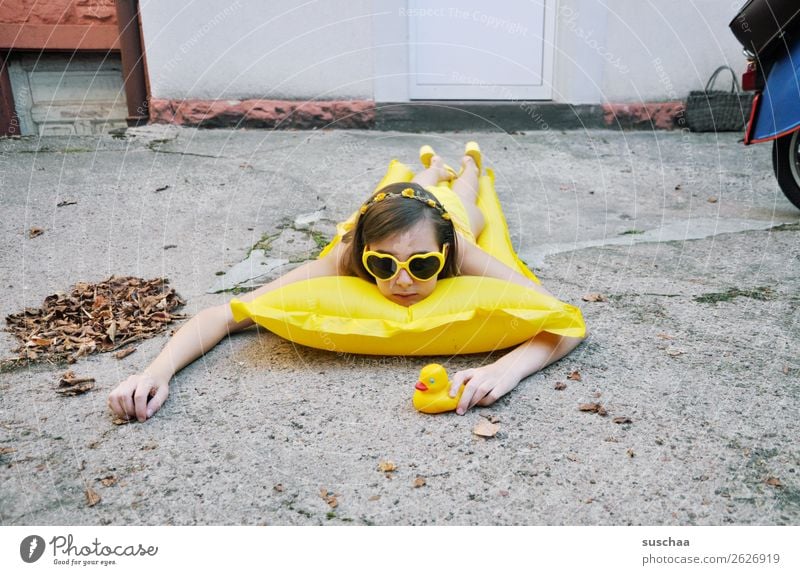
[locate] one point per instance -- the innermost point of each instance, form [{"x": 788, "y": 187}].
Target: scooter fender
[{"x": 776, "y": 110}]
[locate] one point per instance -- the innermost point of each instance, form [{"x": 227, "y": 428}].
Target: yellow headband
[{"x": 406, "y": 193}]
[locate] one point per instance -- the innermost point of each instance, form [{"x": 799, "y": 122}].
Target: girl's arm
[
  {"x": 473, "y": 261},
  {"x": 195, "y": 338},
  {"x": 488, "y": 383}
]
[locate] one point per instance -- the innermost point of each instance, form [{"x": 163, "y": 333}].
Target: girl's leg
[
  {"x": 433, "y": 175},
  {"x": 466, "y": 186}
]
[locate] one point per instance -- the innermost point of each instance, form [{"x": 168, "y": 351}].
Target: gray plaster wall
[
  {"x": 245, "y": 49},
  {"x": 605, "y": 50}
]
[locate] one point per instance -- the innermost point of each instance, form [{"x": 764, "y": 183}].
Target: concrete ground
[{"x": 686, "y": 235}]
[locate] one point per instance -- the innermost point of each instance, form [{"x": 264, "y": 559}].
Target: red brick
[
  {"x": 659, "y": 115},
  {"x": 264, "y": 113}
]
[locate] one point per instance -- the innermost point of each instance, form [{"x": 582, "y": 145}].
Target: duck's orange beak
[{"x": 421, "y": 386}]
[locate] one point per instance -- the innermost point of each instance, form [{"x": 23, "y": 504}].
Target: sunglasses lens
[
  {"x": 424, "y": 268},
  {"x": 382, "y": 267}
]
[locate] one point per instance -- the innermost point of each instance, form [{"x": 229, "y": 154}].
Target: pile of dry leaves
[{"x": 95, "y": 317}]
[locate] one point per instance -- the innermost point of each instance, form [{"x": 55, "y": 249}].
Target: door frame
[{"x": 544, "y": 91}]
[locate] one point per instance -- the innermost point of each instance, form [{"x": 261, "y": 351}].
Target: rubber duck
[{"x": 432, "y": 391}]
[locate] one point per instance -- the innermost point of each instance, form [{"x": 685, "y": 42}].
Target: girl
[{"x": 405, "y": 238}]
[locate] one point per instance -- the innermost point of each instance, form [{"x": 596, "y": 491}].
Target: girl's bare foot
[
  {"x": 468, "y": 163},
  {"x": 437, "y": 163}
]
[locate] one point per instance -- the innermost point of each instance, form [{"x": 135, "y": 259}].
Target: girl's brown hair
[{"x": 393, "y": 215}]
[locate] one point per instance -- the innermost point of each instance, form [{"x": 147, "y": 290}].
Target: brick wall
[{"x": 50, "y": 12}]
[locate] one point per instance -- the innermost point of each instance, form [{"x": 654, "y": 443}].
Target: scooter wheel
[{"x": 786, "y": 164}]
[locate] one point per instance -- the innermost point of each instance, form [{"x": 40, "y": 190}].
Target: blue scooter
[{"x": 769, "y": 30}]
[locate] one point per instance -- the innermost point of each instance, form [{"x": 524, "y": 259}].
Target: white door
[{"x": 478, "y": 50}]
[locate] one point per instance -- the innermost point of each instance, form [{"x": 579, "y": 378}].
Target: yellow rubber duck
[{"x": 431, "y": 393}]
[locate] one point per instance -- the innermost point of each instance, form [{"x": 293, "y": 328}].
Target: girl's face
[{"x": 403, "y": 289}]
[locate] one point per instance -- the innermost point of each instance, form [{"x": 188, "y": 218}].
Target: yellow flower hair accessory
[{"x": 406, "y": 193}]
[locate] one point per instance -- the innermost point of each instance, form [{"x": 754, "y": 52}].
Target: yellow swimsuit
[{"x": 455, "y": 207}]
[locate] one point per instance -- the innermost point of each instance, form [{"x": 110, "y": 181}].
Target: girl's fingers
[
  {"x": 158, "y": 400},
  {"x": 458, "y": 380},
  {"x": 488, "y": 399},
  {"x": 469, "y": 392},
  {"x": 128, "y": 408},
  {"x": 140, "y": 397},
  {"x": 482, "y": 392},
  {"x": 114, "y": 405},
  {"x": 483, "y": 389}
]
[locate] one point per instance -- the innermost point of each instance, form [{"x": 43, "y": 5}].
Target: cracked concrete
[{"x": 686, "y": 235}]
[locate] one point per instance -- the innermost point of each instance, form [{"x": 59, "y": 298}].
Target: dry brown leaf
[
  {"x": 622, "y": 419},
  {"x": 109, "y": 480},
  {"x": 575, "y": 376},
  {"x": 594, "y": 297},
  {"x": 712, "y": 200},
  {"x": 120, "y": 420},
  {"x": 78, "y": 389},
  {"x": 485, "y": 428},
  {"x": 278, "y": 487},
  {"x": 71, "y": 385},
  {"x": 419, "y": 481},
  {"x": 374, "y": 497},
  {"x": 674, "y": 351},
  {"x": 92, "y": 498},
  {"x": 329, "y": 497},
  {"x": 111, "y": 332},
  {"x": 386, "y": 466},
  {"x": 6, "y": 450},
  {"x": 33, "y": 232},
  {"x": 123, "y": 353},
  {"x": 593, "y": 407},
  {"x": 560, "y": 386},
  {"x": 664, "y": 336},
  {"x": 774, "y": 482}
]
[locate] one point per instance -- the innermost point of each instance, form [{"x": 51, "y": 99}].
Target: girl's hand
[
  {"x": 130, "y": 398},
  {"x": 485, "y": 385}
]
